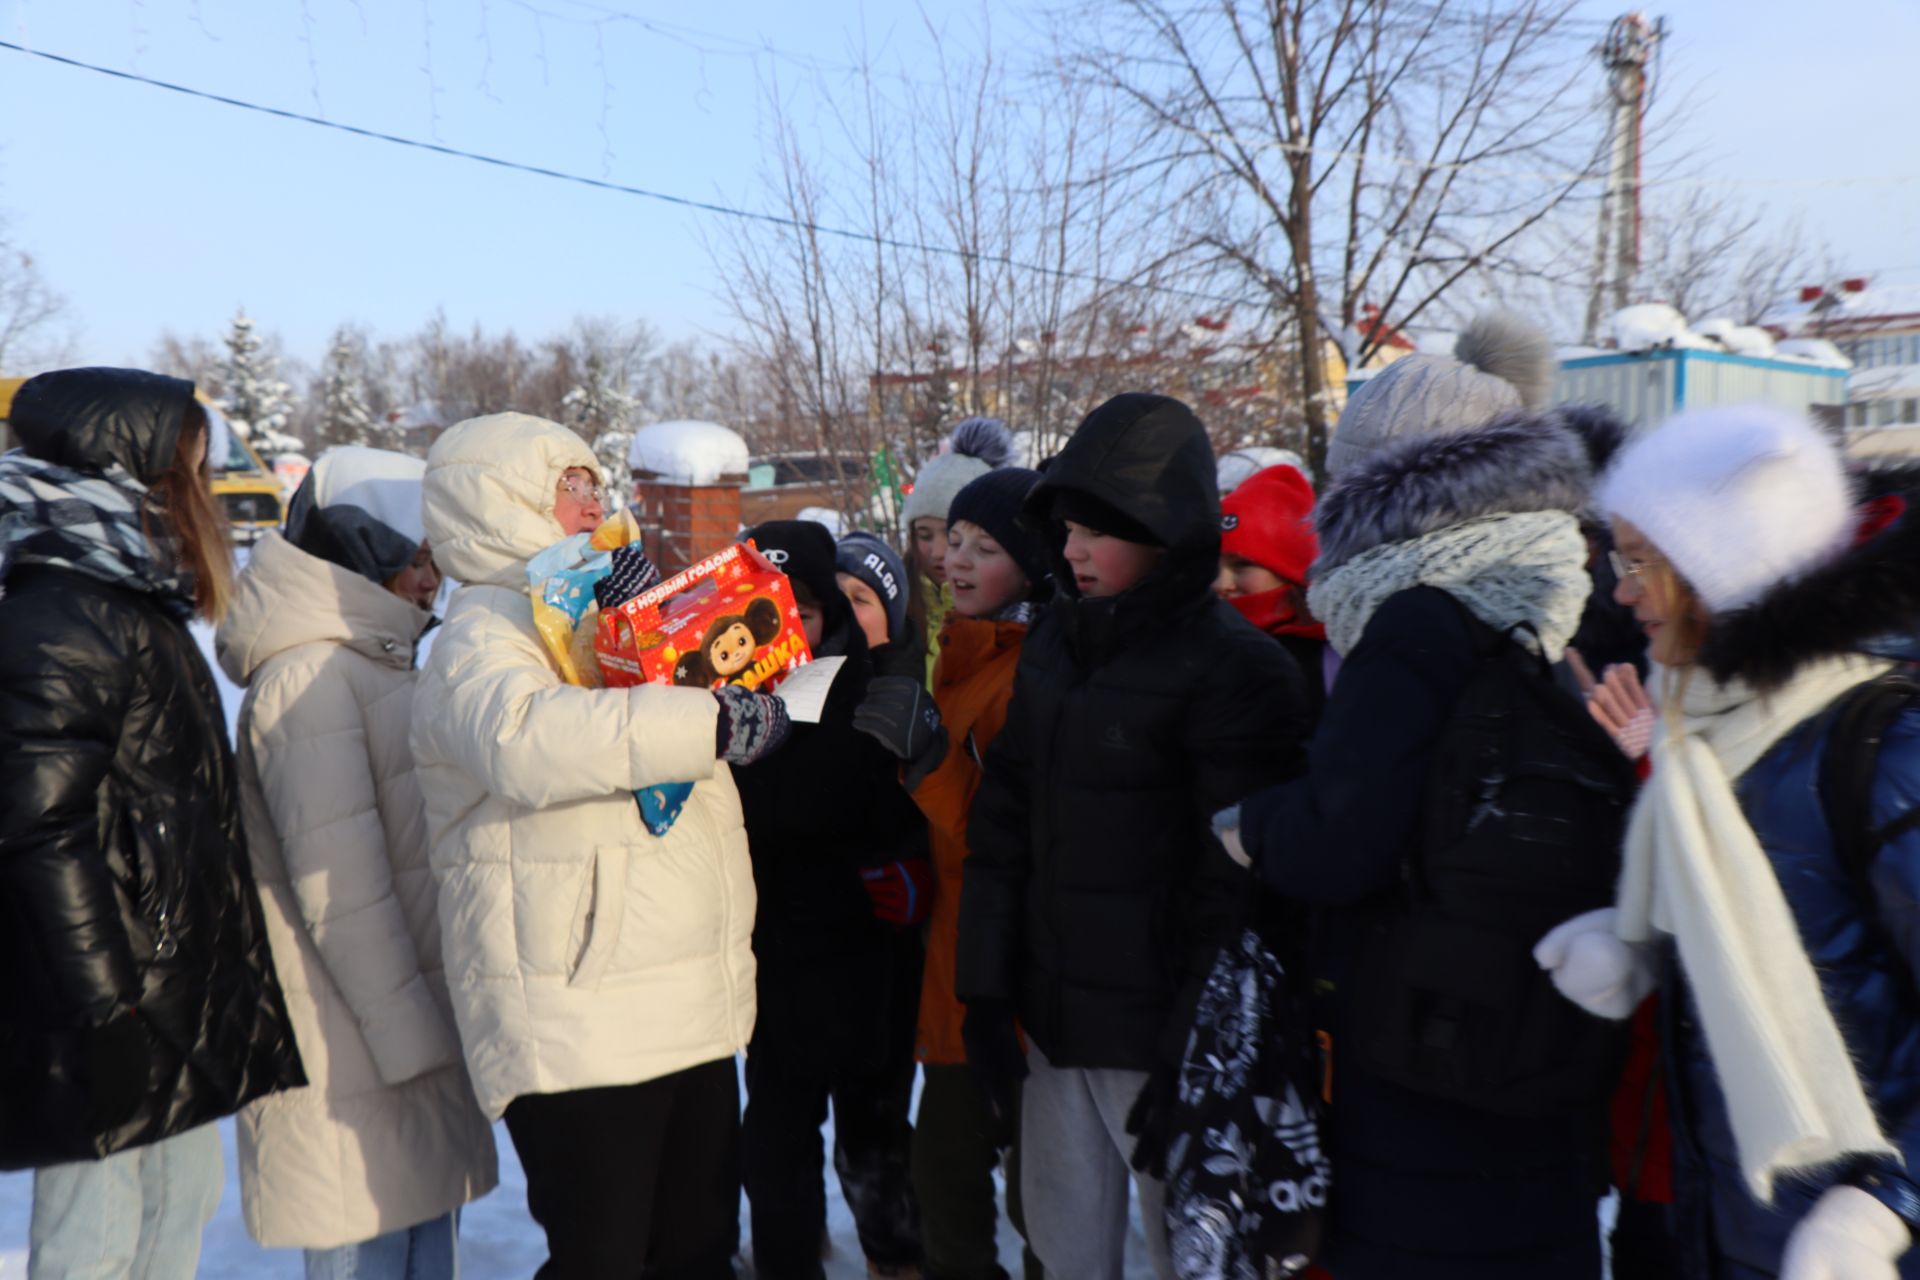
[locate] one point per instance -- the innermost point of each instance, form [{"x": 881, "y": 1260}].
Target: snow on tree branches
[{"x": 257, "y": 403}]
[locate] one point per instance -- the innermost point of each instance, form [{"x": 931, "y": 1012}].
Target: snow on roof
[
  {"x": 1813, "y": 351},
  {"x": 1884, "y": 382},
  {"x": 1235, "y": 468},
  {"x": 1741, "y": 339},
  {"x": 1857, "y": 310},
  {"x": 1653, "y": 326},
  {"x": 688, "y": 452},
  {"x": 836, "y": 524}
]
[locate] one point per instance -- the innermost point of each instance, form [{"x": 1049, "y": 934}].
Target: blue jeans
[
  {"x": 136, "y": 1215},
  {"x": 429, "y": 1251}
]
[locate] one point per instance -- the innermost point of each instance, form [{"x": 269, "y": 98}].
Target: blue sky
[{"x": 152, "y": 211}]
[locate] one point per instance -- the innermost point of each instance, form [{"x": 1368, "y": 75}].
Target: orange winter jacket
[{"x": 972, "y": 684}]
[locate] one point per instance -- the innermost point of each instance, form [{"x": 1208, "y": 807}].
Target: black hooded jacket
[
  {"x": 825, "y": 805},
  {"x": 1095, "y": 886},
  {"x": 137, "y": 994}
]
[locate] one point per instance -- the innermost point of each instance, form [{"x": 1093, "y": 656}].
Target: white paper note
[{"x": 805, "y": 691}]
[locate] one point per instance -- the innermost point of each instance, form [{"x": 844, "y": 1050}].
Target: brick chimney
[
  {"x": 684, "y": 523},
  {"x": 687, "y": 478}
]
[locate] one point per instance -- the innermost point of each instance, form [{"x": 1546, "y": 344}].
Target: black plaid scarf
[{"x": 86, "y": 522}]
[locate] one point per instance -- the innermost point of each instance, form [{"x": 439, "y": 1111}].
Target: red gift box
[{"x": 731, "y": 619}]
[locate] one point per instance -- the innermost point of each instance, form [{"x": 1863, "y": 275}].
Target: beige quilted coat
[
  {"x": 387, "y": 1134},
  {"x": 581, "y": 950}
]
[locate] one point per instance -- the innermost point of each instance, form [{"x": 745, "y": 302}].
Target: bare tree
[
  {"x": 992, "y": 268},
  {"x": 1711, "y": 255},
  {"x": 1322, "y": 155},
  {"x": 34, "y": 328}
]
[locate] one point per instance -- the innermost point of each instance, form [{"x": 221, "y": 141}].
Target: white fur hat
[{"x": 1736, "y": 498}]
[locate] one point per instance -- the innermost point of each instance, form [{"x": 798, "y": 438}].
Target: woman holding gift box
[{"x": 602, "y": 976}]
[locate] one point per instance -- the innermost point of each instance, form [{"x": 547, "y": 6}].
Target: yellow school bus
[{"x": 246, "y": 487}]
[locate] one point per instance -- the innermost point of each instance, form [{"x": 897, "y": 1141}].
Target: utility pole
[{"x": 1625, "y": 56}]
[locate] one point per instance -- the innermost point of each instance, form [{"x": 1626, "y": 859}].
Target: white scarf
[
  {"x": 1525, "y": 567},
  {"x": 1694, "y": 868}
]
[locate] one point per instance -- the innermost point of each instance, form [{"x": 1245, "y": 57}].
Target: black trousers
[
  {"x": 832, "y": 1031},
  {"x": 637, "y": 1180}
]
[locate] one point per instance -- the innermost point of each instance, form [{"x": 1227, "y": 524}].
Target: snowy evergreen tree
[
  {"x": 344, "y": 416},
  {"x": 257, "y": 402},
  {"x": 602, "y": 412}
]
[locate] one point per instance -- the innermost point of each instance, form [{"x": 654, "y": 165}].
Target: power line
[{"x": 665, "y": 197}]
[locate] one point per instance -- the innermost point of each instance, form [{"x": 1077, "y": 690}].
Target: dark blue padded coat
[{"x": 1863, "y": 939}]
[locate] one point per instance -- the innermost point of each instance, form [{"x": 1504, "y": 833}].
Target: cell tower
[{"x": 1626, "y": 55}]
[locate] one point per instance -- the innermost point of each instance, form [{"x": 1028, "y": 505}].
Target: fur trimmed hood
[
  {"x": 1521, "y": 461},
  {"x": 1859, "y": 601}
]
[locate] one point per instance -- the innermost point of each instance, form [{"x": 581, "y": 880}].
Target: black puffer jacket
[
  {"x": 825, "y": 805},
  {"x": 138, "y": 998},
  {"x": 1095, "y": 886}
]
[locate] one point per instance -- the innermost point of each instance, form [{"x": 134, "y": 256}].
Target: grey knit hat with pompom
[
  {"x": 976, "y": 447},
  {"x": 1500, "y": 362}
]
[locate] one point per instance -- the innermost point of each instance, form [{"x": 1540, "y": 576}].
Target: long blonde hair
[
  {"x": 1687, "y": 614},
  {"x": 195, "y": 532}
]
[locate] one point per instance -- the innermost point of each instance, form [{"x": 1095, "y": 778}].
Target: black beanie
[
  {"x": 992, "y": 501},
  {"x": 1084, "y": 509},
  {"x": 801, "y": 549}
]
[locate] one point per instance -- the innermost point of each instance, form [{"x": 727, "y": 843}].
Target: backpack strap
[
  {"x": 1847, "y": 773},
  {"x": 1852, "y": 762}
]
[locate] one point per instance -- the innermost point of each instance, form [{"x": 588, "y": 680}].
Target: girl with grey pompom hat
[
  {"x": 975, "y": 447},
  {"x": 1500, "y": 363}
]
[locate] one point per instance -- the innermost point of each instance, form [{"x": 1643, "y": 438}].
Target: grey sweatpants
[{"x": 1074, "y": 1149}]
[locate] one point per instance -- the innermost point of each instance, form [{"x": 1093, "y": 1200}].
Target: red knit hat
[{"x": 1268, "y": 520}]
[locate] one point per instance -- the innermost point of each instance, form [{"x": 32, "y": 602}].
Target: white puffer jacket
[
  {"x": 387, "y": 1134},
  {"x": 581, "y": 950}
]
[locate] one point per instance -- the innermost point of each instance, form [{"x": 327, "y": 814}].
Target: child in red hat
[{"x": 1267, "y": 545}]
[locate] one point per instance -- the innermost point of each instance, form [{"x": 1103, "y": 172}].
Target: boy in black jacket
[
  {"x": 816, "y": 817},
  {"x": 1095, "y": 886}
]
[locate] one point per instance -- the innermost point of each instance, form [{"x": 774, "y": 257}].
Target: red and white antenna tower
[{"x": 1626, "y": 55}]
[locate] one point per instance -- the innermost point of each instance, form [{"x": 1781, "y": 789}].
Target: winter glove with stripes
[{"x": 751, "y": 724}]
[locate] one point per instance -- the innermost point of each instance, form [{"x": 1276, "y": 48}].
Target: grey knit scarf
[{"x": 1525, "y": 569}]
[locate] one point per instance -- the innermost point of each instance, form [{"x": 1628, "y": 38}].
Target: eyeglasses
[
  {"x": 583, "y": 490},
  {"x": 1624, "y": 568}
]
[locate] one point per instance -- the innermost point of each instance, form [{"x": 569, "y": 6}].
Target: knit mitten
[
  {"x": 1592, "y": 967},
  {"x": 631, "y": 573},
  {"x": 1847, "y": 1235},
  {"x": 751, "y": 724}
]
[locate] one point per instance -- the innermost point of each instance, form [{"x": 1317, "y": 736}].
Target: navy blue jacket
[
  {"x": 1859, "y": 947},
  {"x": 1864, "y": 942}
]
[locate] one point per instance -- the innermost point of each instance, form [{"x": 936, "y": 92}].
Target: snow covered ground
[{"x": 498, "y": 1240}]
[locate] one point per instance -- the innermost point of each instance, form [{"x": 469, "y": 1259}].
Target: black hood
[
  {"x": 347, "y": 535},
  {"x": 90, "y": 419},
  {"x": 1866, "y": 600},
  {"x": 804, "y": 551},
  {"x": 1147, "y": 456}
]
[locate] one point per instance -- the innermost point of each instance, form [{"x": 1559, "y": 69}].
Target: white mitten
[
  {"x": 1592, "y": 967},
  {"x": 1847, "y": 1235}
]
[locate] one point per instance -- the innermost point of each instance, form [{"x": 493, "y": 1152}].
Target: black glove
[
  {"x": 751, "y": 724},
  {"x": 996, "y": 1060},
  {"x": 119, "y": 1060},
  {"x": 899, "y": 713}
]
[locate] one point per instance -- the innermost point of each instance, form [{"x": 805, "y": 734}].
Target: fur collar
[
  {"x": 1851, "y": 604},
  {"x": 1520, "y": 461}
]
